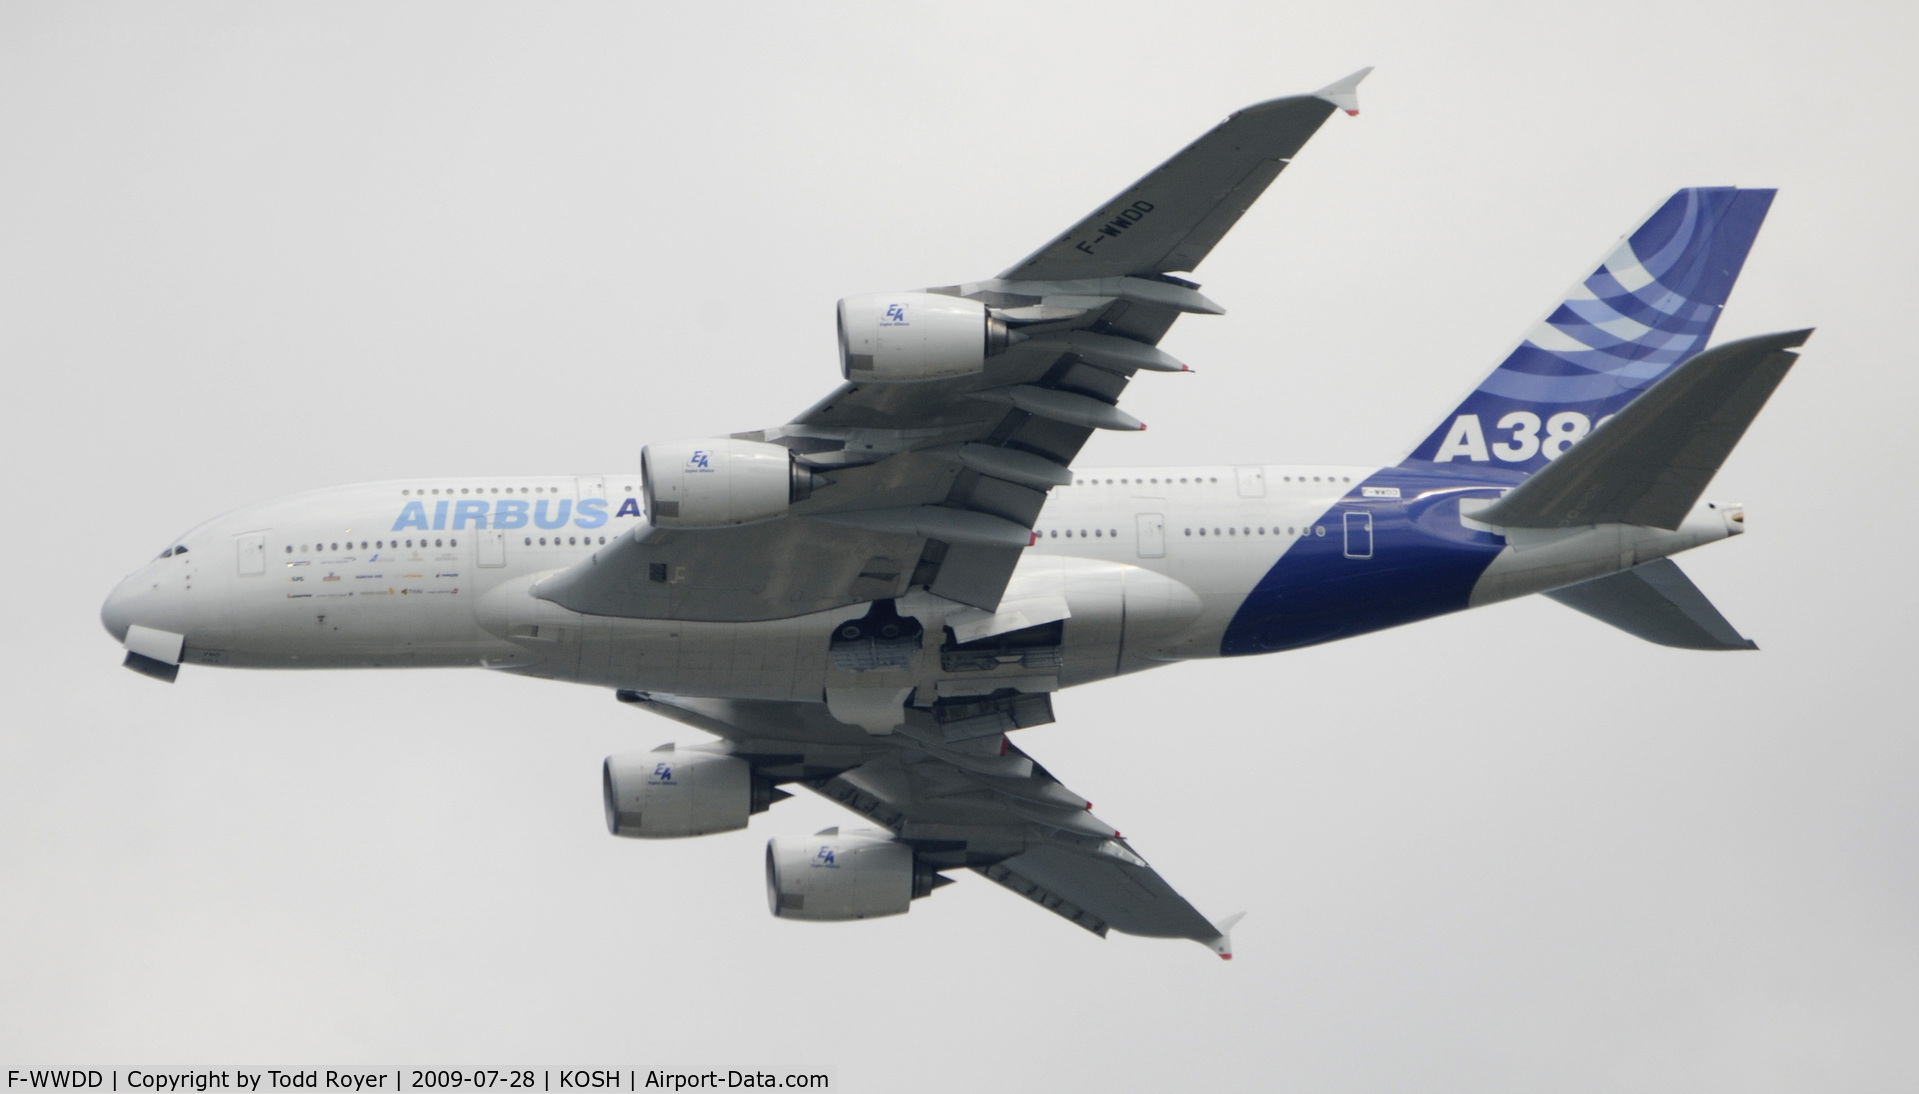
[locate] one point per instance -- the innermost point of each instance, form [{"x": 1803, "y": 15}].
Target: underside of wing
[
  {"x": 975, "y": 802},
  {"x": 1171, "y": 219},
  {"x": 963, "y": 406}
]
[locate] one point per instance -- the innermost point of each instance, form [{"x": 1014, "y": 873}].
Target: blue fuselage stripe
[{"x": 1384, "y": 560}]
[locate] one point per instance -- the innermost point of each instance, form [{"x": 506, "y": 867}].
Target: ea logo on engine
[
  {"x": 895, "y": 316},
  {"x": 662, "y": 773},
  {"x": 700, "y": 460},
  {"x": 825, "y": 857}
]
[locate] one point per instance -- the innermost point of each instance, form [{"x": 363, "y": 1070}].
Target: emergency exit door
[
  {"x": 252, "y": 558},
  {"x": 492, "y": 547},
  {"x": 1152, "y": 535},
  {"x": 1359, "y": 535}
]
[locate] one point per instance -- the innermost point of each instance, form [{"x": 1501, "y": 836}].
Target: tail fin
[{"x": 1650, "y": 305}]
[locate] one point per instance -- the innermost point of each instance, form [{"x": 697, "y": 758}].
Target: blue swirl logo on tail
[{"x": 1651, "y": 304}]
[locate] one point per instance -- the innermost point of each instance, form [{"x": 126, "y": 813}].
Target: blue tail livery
[{"x": 1649, "y": 306}]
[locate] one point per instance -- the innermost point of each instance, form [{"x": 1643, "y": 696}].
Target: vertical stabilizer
[{"x": 1649, "y": 306}]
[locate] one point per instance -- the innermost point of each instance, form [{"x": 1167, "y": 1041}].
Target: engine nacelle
[
  {"x": 851, "y": 875},
  {"x": 714, "y": 484},
  {"x": 902, "y": 337},
  {"x": 667, "y": 793}
]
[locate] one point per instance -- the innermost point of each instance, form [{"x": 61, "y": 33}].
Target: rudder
[{"x": 1650, "y": 305}]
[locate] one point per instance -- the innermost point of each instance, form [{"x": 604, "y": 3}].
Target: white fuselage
[{"x": 1153, "y": 564}]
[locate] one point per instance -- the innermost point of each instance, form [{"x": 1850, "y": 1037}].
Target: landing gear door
[
  {"x": 1152, "y": 535},
  {"x": 492, "y": 547}
]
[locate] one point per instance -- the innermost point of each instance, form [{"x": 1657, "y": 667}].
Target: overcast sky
[{"x": 249, "y": 249}]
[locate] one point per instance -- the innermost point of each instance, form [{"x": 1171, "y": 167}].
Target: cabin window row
[
  {"x": 1320, "y": 530},
  {"x": 1196, "y": 479},
  {"x": 378, "y": 545},
  {"x": 424, "y": 492}
]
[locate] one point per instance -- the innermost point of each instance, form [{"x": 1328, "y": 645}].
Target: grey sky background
[{"x": 247, "y": 250}]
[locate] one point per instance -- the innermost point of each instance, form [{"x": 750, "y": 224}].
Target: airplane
[{"x": 868, "y": 601}]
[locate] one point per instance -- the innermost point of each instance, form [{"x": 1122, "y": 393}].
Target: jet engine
[
  {"x": 903, "y": 337},
  {"x": 717, "y": 483},
  {"x": 667, "y": 793},
  {"x": 854, "y": 875}
]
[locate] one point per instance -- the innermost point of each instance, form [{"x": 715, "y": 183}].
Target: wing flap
[{"x": 1109, "y": 883}]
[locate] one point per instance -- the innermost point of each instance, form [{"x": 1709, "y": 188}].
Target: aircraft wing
[
  {"x": 936, "y": 483},
  {"x": 980, "y": 804}
]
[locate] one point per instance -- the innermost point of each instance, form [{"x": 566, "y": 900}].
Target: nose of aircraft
[{"x": 115, "y": 615}]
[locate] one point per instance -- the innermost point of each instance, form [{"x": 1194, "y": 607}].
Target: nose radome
[{"x": 113, "y": 613}]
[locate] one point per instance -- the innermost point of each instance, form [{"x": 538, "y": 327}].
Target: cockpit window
[
  {"x": 171, "y": 551},
  {"x": 180, "y": 550}
]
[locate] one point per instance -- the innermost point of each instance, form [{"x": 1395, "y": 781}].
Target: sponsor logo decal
[
  {"x": 825, "y": 857},
  {"x": 895, "y": 316},
  {"x": 507, "y": 513}
]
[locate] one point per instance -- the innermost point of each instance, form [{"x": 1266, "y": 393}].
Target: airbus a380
[{"x": 868, "y": 600}]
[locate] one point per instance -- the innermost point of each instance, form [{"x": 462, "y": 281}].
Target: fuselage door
[
  {"x": 1359, "y": 535},
  {"x": 252, "y": 554},
  {"x": 492, "y": 547},
  {"x": 1152, "y": 535},
  {"x": 1252, "y": 482}
]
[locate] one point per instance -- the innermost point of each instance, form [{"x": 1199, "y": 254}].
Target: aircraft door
[
  {"x": 1252, "y": 482},
  {"x": 252, "y": 556},
  {"x": 1359, "y": 535},
  {"x": 1152, "y": 535},
  {"x": 492, "y": 547}
]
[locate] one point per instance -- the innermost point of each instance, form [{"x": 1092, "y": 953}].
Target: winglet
[
  {"x": 1344, "y": 94},
  {"x": 1223, "y": 945}
]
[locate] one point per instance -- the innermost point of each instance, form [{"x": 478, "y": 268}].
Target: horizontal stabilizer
[
  {"x": 1649, "y": 463},
  {"x": 1656, "y": 602}
]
